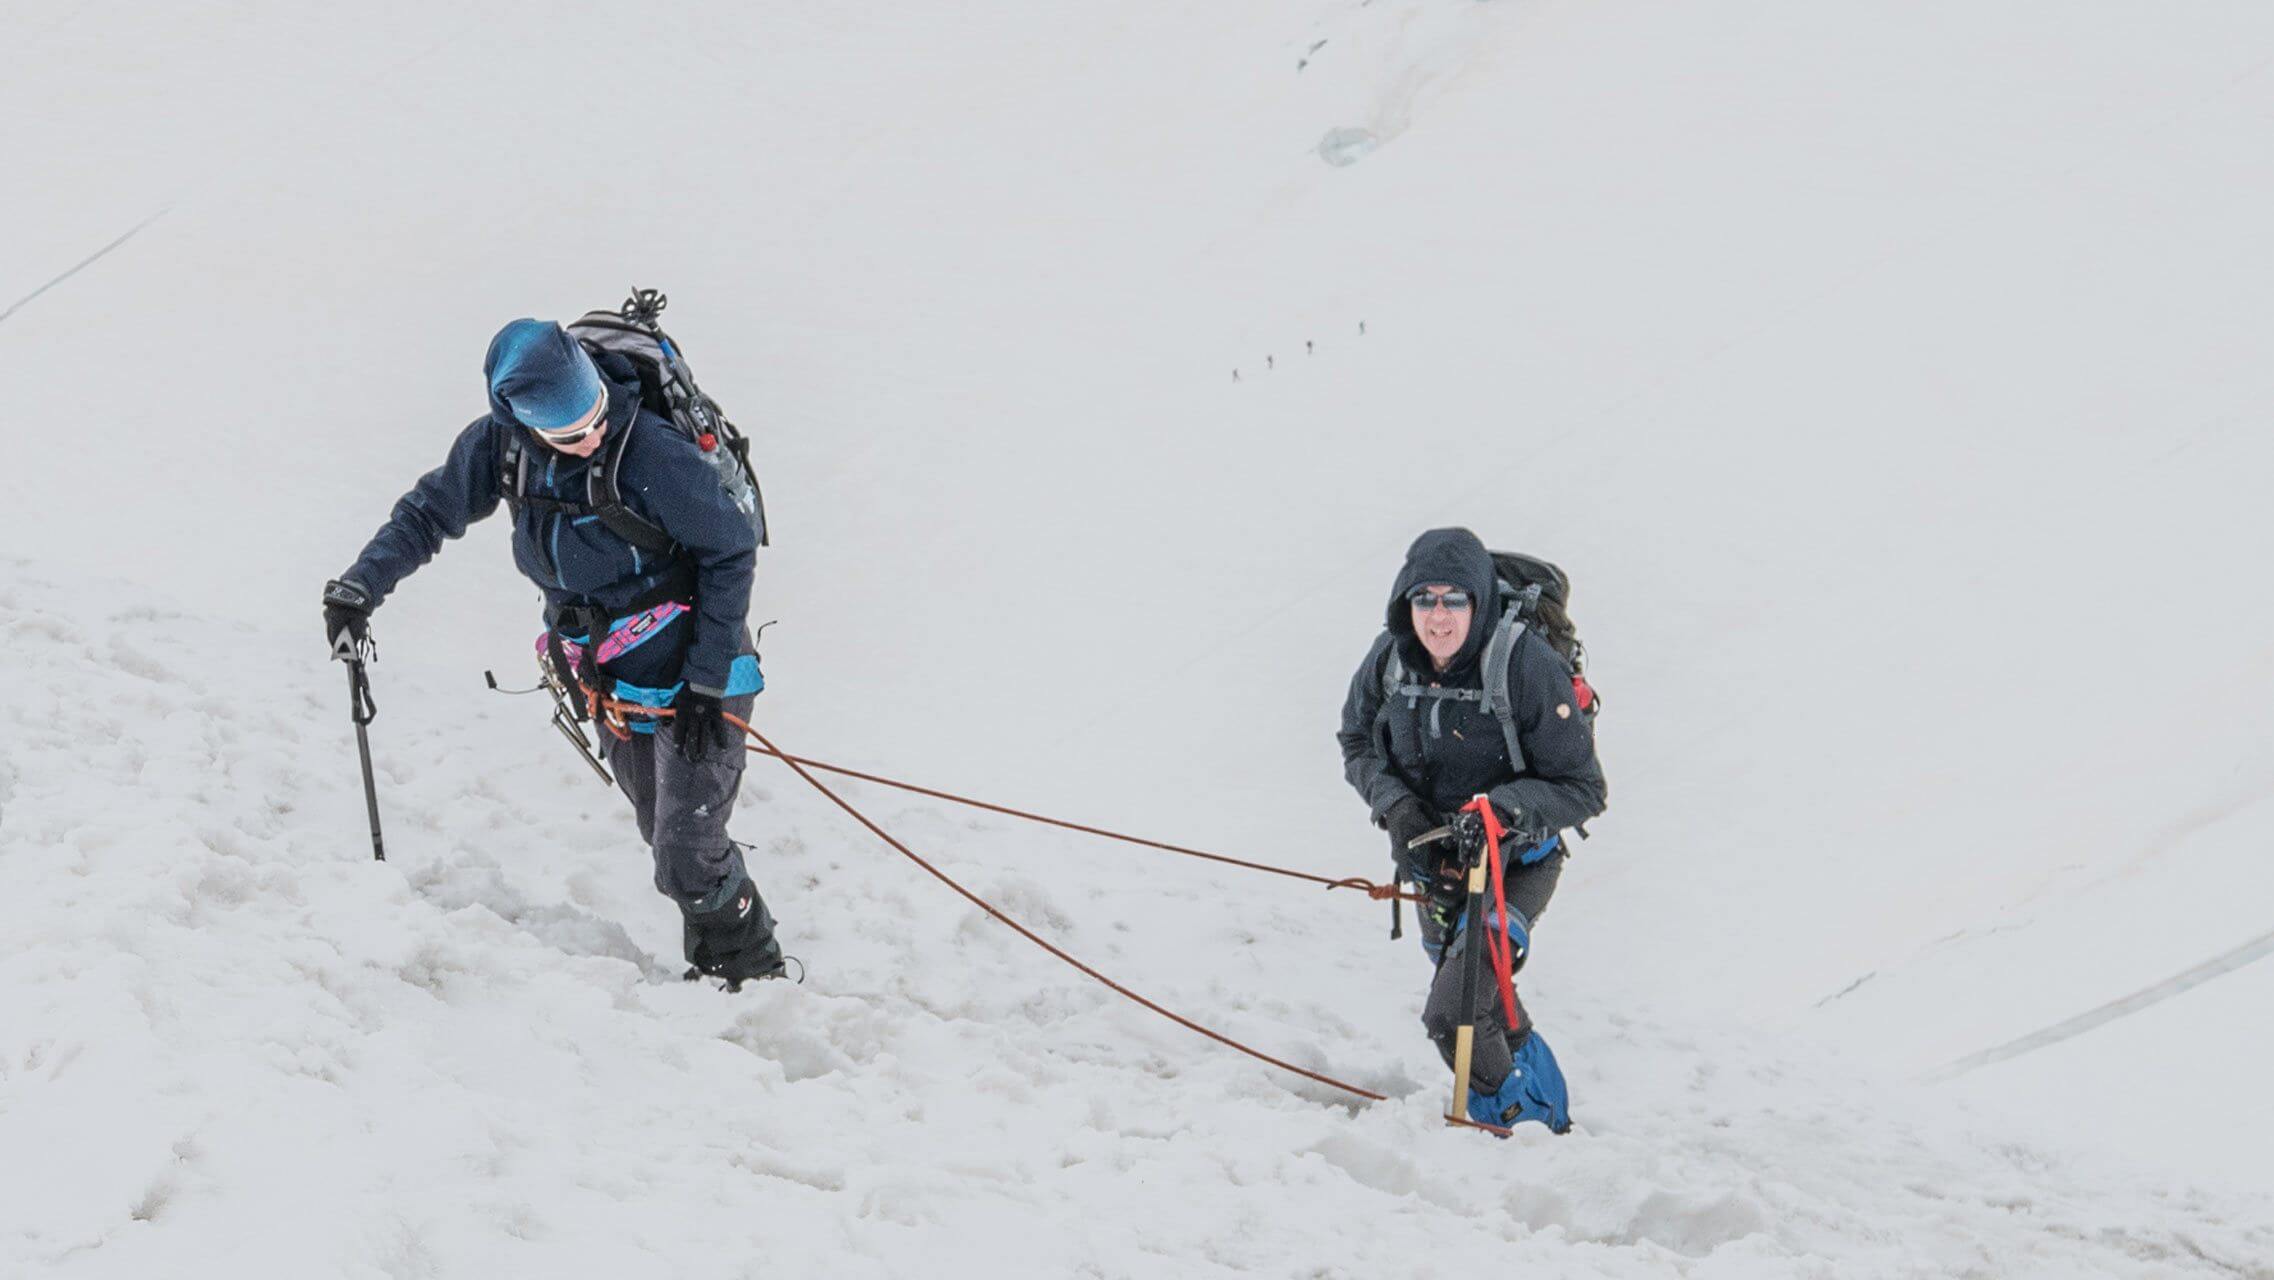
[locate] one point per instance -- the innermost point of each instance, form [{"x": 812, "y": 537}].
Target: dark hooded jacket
[
  {"x": 576, "y": 560},
  {"x": 1444, "y": 752}
]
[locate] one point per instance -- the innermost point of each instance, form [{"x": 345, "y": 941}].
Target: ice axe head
[{"x": 1468, "y": 832}]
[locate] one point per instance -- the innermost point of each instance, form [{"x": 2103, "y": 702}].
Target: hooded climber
[
  {"x": 668, "y": 628},
  {"x": 1419, "y": 741}
]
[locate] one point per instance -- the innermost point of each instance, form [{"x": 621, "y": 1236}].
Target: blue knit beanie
[{"x": 540, "y": 373}]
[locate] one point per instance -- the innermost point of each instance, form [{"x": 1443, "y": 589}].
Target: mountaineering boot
[
  {"x": 730, "y": 935},
  {"x": 1532, "y": 1090}
]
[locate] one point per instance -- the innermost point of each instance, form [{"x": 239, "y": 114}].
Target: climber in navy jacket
[{"x": 666, "y": 627}]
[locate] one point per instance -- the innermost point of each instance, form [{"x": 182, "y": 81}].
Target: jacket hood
[{"x": 1457, "y": 557}]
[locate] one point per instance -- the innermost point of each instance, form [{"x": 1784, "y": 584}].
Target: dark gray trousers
[
  {"x": 682, "y": 808},
  {"x": 1529, "y": 889}
]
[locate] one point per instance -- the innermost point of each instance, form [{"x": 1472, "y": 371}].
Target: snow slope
[
  {"x": 231, "y": 1048},
  {"x": 1885, "y": 374}
]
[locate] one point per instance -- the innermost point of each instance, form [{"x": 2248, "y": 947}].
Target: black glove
[
  {"x": 1407, "y": 820},
  {"x": 347, "y": 622},
  {"x": 698, "y": 725}
]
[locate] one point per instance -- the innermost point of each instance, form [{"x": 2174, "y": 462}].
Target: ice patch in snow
[{"x": 1343, "y": 147}]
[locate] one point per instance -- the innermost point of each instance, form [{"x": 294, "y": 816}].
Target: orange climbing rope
[{"x": 612, "y": 713}]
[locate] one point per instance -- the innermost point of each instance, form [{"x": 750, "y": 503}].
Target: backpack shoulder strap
[
  {"x": 1497, "y": 655},
  {"x": 512, "y": 467},
  {"x": 607, "y": 497},
  {"x": 513, "y": 480},
  {"x": 1391, "y": 669}
]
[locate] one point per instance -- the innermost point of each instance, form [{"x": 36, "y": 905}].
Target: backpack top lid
[
  {"x": 1520, "y": 571},
  {"x": 667, "y": 385},
  {"x": 604, "y": 332},
  {"x": 1549, "y": 613}
]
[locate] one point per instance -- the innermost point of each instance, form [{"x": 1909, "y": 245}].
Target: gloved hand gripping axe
[{"x": 347, "y": 623}]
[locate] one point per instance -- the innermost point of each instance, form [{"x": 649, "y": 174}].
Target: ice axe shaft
[
  {"x": 1472, "y": 958},
  {"x": 363, "y": 710},
  {"x": 1464, "y": 1037}
]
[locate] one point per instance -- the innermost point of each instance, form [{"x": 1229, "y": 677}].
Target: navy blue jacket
[
  {"x": 1458, "y": 752},
  {"x": 578, "y": 561}
]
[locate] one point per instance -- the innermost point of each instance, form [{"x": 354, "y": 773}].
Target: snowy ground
[
  {"x": 232, "y": 1047},
  {"x": 1892, "y": 378}
]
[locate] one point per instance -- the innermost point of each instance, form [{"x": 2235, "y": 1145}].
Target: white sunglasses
[{"x": 572, "y": 435}]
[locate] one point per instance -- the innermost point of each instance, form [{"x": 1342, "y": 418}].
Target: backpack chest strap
[
  {"x": 1411, "y": 692},
  {"x": 1494, "y": 697},
  {"x": 603, "y": 494},
  {"x": 1438, "y": 697},
  {"x": 558, "y": 506}
]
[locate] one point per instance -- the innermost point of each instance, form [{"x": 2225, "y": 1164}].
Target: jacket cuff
[
  {"x": 1521, "y": 823},
  {"x": 353, "y": 587}
]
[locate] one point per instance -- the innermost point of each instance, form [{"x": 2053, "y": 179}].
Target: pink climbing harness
[{"x": 624, "y": 635}]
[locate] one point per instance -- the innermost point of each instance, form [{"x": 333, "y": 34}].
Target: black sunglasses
[{"x": 1425, "y": 600}]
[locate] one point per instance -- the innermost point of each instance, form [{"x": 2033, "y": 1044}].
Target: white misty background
[{"x": 1892, "y": 380}]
